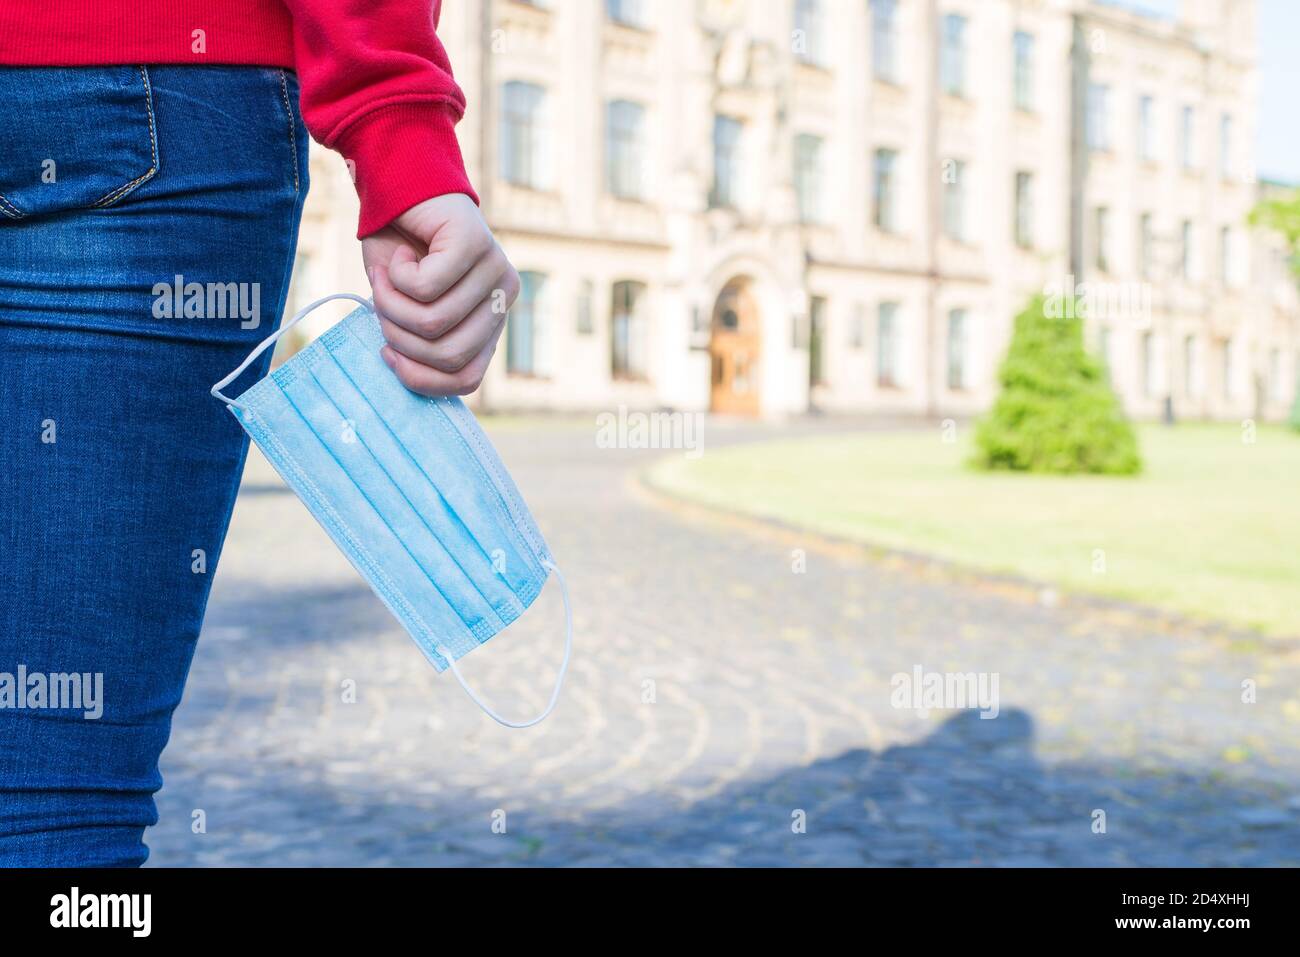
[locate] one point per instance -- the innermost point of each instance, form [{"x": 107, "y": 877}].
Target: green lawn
[{"x": 1211, "y": 528}]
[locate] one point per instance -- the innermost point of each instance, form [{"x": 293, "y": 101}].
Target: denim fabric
[{"x": 118, "y": 471}]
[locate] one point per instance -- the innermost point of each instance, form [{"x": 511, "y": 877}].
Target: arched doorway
[{"x": 735, "y": 348}]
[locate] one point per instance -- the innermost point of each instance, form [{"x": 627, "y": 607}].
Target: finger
[
  {"x": 429, "y": 277},
  {"x": 493, "y": 277},
  {"x": 451, "y": 352},
  {"x": 414, "y": 316},
  {"x": 433, "y": 320},
  {"x": 426, "y": 380}
]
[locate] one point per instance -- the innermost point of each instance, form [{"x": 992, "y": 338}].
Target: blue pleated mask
[{"x": 409, "y": 488}]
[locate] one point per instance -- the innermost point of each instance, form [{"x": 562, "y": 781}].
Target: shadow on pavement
[{"x": 970, "y": 794}]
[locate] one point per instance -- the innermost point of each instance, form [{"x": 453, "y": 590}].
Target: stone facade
[{"x": 888, "y": 184}]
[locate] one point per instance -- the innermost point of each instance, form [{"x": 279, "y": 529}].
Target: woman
[{"x": 153, "y": 167}]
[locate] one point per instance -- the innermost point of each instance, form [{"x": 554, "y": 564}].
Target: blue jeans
[{"x": 148, "y": 220}]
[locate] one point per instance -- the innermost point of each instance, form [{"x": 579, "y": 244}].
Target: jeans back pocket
[{"x": 74, "y": 137}]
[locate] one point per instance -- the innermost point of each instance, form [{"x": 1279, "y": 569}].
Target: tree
[
  {"x": 1056, "y": 412},
  {"x": 1281, "y": 213}
]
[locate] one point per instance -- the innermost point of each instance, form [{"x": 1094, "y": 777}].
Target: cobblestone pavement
[{"x": 719, "y": 703}]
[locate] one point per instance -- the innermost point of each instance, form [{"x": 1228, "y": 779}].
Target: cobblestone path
[{"x": 722, "y": 709}]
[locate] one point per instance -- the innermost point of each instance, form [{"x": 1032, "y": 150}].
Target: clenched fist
[{"x": 442, "y": 287}]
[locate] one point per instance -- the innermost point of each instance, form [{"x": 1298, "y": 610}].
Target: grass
[{"x": 1210, "y": 529}]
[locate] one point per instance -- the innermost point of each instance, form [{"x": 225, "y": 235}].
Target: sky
[
  {"x": 1278, "y": 145},
  {"x": 1279, "y": 119}
]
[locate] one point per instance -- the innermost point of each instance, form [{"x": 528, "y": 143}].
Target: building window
[
  {"x": 952, "y": 55},
  {"x": 1146, "y": 246},
  {"x": 1146, "y": 133},
  {"x": 957, "y": 346},
  {"x": 884, "y": 40},
  {"x": 1225, "y": 146},
  {"x": 1101, "y": 238},
  {"x": 954, "y": 201},
  {"x": 1191, "y": 372},
  {"x": 858, "y": 327},
  {"x": 1185, "y": 249},
  {"x": 887, "y": 345},
  {"x": 1097, "y": 122},
  {"x": 586, "y": 296},
  {"x": 1023, "y": 70},
  {"x": 1148, "y": 365},
  {"x": 1024, "y": 224},
  {"x": 727, "y": 133},
  {"x": 1187, "y": 138},
  {"x": 523, "y": 330},
  {"x": 624, "y": 148},
  {"x": 809, "y": 31},
  {"x": 629, "y": 339},
  {"x": 1225, "y": 254},
  {"x": 817, "y": 341},
  {"x": 523, "y": 135},
  {"x": 629, "y": 13},
  {"x": 808, "y": 177},
  {"x": 1229, "y": 371},
  {"x": 884, "y": 189}
]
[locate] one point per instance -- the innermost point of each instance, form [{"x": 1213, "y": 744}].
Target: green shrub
[{"x": 1056, "y": 412}]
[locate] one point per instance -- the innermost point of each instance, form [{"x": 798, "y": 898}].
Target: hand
[{"x": 442, "y": 287}]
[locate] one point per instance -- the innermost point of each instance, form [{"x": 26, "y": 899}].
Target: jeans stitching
[
  {"x": 13, "y": 212},
  {"x": 293, "y": 133},
  {"x": 125, "y": 188}
]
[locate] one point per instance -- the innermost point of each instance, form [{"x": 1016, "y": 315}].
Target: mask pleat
[
  {"x": 447, "y": 464},
  {"x": 437, "y": 521},
  {"x": 337, "y": 430},
  {"x": 462, "y": 419},
  {"x": 409, "y": 488},
  {"x": 296, "y": 416}
]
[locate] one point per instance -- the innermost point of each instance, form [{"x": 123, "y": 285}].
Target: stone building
[{"x": 764, "y": 207}]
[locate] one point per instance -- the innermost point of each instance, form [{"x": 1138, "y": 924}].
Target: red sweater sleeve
[{"x": 377, "y": 86}]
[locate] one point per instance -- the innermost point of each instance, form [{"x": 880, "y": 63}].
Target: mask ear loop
[
  {"x": 559, "y": 681},
  {"x": 274, "y": 338},
  {"x": 443, "y": 652}
]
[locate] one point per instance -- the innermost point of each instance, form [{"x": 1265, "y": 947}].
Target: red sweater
[{"x": 376, "y": 83}]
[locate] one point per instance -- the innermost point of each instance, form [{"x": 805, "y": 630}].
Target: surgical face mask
[{"x": 409, "y": 488}]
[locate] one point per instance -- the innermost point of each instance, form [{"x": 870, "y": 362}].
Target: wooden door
[{"x": 735, "y": 350}]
